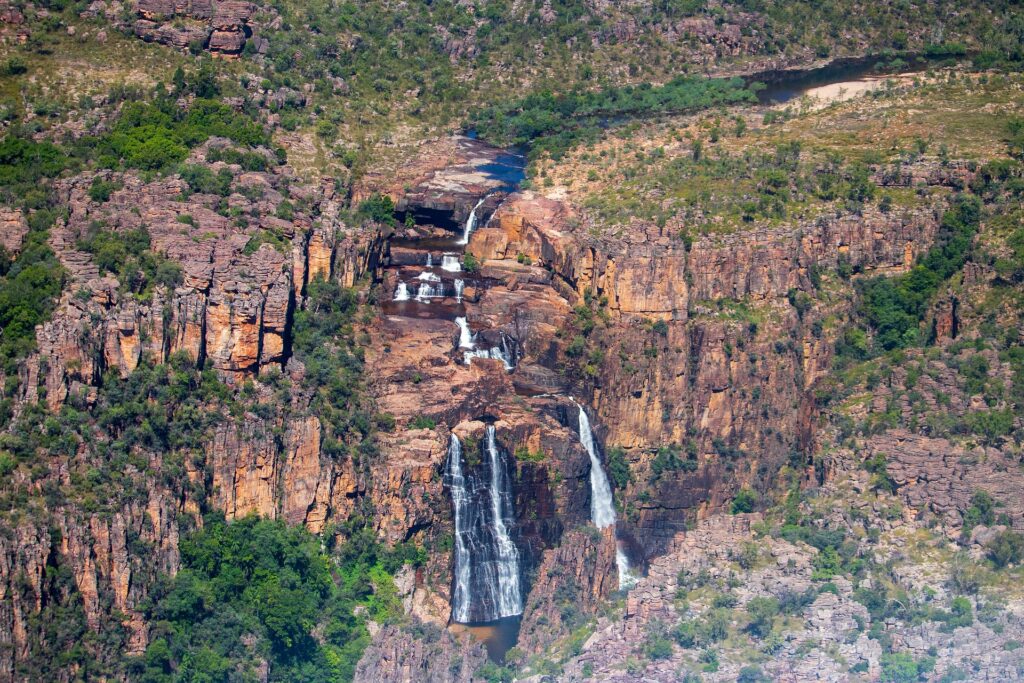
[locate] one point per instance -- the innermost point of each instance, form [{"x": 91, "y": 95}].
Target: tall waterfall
[
  {"x": 486, "y": 583},
  {"x": 471, "y": 222},
  {"x": 510, "y": 601},
  {"x": 460, "y": 285},
  {"x": 461, "y": 597},
  {"x": 602, "y": 505}
]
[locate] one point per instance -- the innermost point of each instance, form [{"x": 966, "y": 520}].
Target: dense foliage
[
  {"x": 128, "y": 257},
  {"x": 256, "y": 591},
  {"x": 325, "y": 341},
  {"x": 894, "y": 307},
  {"x": 553, "y": 123}
]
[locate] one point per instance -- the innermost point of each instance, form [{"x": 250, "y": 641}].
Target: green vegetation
[
  {"x": 671, "y": 458},
  {"x": 325, "y": 341},
  {"x": 716, "y": 190},
  {"x": 618, "y": 468},
  {"x": 156, "y": 135},
  {"x": 901, "y": 667},
  {"x": 551, "y": 124},
  {"x": 745, "y": 501},
  {"x": 128, "y": 257},
  {"x": 257, "y": 590},
  {"x": 894, "y": 307},
  {"x": 29, "y": 286}
]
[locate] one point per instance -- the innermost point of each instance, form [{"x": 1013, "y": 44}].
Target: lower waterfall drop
[
  {"x": 510, "y": 601},
  {"x": 401, "y": 292},
  {"x": 451, "y": 263},
  {"x": 461, "y": 596},
  {"x": 486, "y": 584},
  {"x": 602, "y": 505}
]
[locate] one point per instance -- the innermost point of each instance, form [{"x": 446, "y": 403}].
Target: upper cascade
[{"x": 471, "y": 222}]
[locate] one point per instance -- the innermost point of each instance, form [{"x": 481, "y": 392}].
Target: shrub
[
  {"x": 618, "y": 467},
  {"x": 762, "y": 611},
  {"x": 745, "y": 501},
  {"x": 1006, "y": 548}
]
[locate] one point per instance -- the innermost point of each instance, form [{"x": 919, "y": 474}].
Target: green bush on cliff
[
  {"x": 894, "y": 307},
  {"x": 325, "y": 341}
]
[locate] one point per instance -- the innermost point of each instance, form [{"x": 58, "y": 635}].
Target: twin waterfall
[
  {"x": 487, "y": 583},
  {"x": 602, "y": 505}
]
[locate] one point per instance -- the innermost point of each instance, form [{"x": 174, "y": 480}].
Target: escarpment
[{"x": 708, "y": 354}]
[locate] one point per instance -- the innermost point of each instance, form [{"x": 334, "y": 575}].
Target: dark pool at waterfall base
[{"x": 497, "y": 636}]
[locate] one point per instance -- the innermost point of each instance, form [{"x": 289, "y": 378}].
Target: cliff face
[
  {"x": 727, "y": 373},
  {"x": 231, "y": 312}
]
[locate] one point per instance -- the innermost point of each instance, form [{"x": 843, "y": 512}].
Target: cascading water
[
  {"x": 450, "y": 262},
  {"x": 471, "y": 222},
  {"x": 486, "y": 584},
  {"x": 427, "y": 276},
  {"x": 501, "y": 353},
  {"x": 459, "y": 286},
  {"x": 510, "y": 602},
  {"x": 427, "y": 291},
  {"x": 465, "y": 335},
  {"x": 401, "y": 292},
  {"x": 430, "y": 260},
  {"x": 602, "y": 505},
  {"x": 461, "y": 596}
]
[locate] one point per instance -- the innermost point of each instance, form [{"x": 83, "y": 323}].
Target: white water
[
  {"x": 459, "y": 286},
  {"x": 428, "y": 291},
  {"x": 430, "y": 260},
  {"x": 427, "y": 276},
  {"x": 501, "y": 353},
  {"x": 401, "y": 292},
  {"x": 461, "y": 597},
  {"x": 485, "y": 582},
  {"x": 510, "y": 601},
  {"x": 465, "y": 335},
  {"x": 602, "y": 505},
  {"x": 471, "y": 223},
  {"x": 450, "y": 262}
]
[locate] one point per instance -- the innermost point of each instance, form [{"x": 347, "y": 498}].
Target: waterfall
[
  {"x": 506, "y": 353},
  {"x": 507, "y": 560},
  {"x": 427, "y": 276},
  {"x": 486, "y": 583},
  {"x": 401, "y": 292},
  {"x": 450, "y": 262},
  {"x": 465, "y": 336},
  {"x": 430, "y": 260},
  {"x": 428, "y": 291},
  {"x": 459, "y": 286},
  {"x": 471, "y": 222},
  {"x": 602, "y": 505},
  {"x": 495, "y": 352},
  {"x": 461, "y": 596}
]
